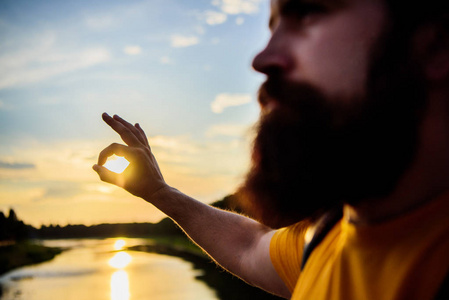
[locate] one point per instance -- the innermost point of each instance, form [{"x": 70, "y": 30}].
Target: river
[{"x": 101, "y": 270}]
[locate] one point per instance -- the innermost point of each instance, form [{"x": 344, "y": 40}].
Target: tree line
[{"x": 12, "y": 228}]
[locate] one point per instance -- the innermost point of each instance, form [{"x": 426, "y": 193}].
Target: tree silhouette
[{"x": 11, "y": 228}]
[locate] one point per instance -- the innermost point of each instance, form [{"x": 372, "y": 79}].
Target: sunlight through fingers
[{"x": 116, "y": 164}]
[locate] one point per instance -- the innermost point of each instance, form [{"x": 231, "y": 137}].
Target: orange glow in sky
[{"x": 185, "y": 78}]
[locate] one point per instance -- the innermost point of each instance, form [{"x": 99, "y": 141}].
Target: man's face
[
  {"x": 340, "y": 110},
  {"x": 326, "y": 43}
]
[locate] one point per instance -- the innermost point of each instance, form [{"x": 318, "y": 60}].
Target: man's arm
[{"x": 237, "y": 243}]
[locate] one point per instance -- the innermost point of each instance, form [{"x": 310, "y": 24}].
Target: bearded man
[{"x": 350, "y": 161}]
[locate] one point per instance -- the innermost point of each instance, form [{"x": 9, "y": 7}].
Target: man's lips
[
  {"x": 267, "y": 103},
  {"x": 270, "y": 106}
]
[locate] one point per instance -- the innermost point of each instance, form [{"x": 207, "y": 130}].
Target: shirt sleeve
[{"x": 286, "y": 249}]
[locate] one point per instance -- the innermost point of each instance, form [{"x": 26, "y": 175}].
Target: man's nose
[{"x": 274, "y": 58}]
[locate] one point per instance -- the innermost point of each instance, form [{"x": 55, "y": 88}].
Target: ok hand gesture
[{"x": 143, "y": 177}]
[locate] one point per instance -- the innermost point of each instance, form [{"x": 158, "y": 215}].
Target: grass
[{"x": 24, "y": 253}]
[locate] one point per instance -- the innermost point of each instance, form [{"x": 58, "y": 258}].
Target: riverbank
[
  {"x": 225, "y": 284},
  {"x": 15, "y": 255}
]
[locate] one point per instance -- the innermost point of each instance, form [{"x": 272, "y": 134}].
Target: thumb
[{"x": 105, "y": 174}]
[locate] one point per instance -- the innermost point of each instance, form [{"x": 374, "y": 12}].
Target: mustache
[
  {"x": 288, "y": 94},
  {"x": 306, "y": 102},
  {"x": 302, "y": 102}
]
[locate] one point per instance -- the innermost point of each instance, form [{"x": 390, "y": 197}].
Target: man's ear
[{"x": 431, "y": 45}]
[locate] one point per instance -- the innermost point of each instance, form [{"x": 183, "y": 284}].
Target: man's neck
[
  {"x": 383, "y": 210},
  {"x": 427, "y": 176}
]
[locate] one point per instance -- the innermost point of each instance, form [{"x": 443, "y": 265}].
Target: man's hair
[
  {"x": 409, "y": 15},
  {"x": 418, "y": 11}
]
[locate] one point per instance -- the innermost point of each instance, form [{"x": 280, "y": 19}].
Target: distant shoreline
[{"x": 19, "y": 254}]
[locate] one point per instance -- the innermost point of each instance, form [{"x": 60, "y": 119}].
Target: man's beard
[{"x": 313, "y": 153}]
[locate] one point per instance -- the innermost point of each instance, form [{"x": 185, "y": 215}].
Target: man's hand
[
  {"x": 239, "y": 244},
  {"x": 143, "y": 177}
]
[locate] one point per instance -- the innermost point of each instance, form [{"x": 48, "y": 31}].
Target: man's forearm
[{"x": 224, "y": 235}]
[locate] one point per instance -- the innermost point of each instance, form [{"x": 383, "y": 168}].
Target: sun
[
  {"x": 119, "y": 244},
  {"x": 116, "y": 164}
]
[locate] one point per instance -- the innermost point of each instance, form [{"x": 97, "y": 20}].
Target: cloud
[
  {"x": 214, "y": 17},
  {"x": 16, "y": 166},
  {"x": 47, "y": 101},
  {"x": 165, "y": 60},
  {"x": 43, "y": 61},
  {"x": 62, "y": 190},
  {"x": 181, "y": 41},
  {"x": 235, "y": 7},
  {"x": 239, "y": 21},
  {"x": 100, "y": 22},
  {"x": 232, "y": 130},
  {"x": 132, "y": 50},
  {"x": 200, "y": 30},
  {"x": 174, "y": 144},
  {"x": 5, "y": 106},
  {"x": 206, "y": 170},
  {"x": 223, "y": 101},
  {"x": 116, "y": 15},
  {"x": 50, "y": 158}
]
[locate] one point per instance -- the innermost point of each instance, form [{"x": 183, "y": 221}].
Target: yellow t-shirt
[{"x": 405, "y": 258}]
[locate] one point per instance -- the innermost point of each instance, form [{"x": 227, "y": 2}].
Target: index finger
[
  {"x": 134, "y": 129},
  {"x": 117, "y": 149},
  {"x": 127, "y": 136}
]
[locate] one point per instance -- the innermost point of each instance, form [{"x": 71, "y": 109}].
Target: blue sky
[{"x": 182, "y": 69}]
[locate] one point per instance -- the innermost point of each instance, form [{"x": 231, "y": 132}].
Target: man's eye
[
  {"x": 307, "y": 9},
  {"x": 300, "y": 10}
]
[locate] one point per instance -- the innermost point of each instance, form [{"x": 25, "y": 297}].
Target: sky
[{"x": 181, "y": 69}]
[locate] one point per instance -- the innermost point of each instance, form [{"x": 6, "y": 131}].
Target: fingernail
[{"x": 117, "y": 117}]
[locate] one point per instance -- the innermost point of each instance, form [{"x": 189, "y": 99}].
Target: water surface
[{"x": 101, "y": 270}]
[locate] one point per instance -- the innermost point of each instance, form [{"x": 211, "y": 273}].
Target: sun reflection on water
[
  {"x": 119, "y": 244},
  {"x": 120, "y": 286},
  {"x": 120, "y": 260},
  {"x": 119, "y": 279}
]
